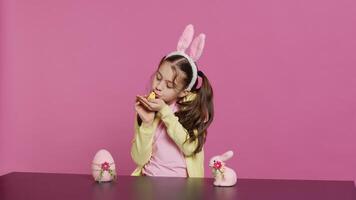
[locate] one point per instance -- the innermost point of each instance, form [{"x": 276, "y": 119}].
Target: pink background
[{"x": 283, "y": 74}]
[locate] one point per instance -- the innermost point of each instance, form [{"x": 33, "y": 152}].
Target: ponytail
[{"x": 198, "y": 113}]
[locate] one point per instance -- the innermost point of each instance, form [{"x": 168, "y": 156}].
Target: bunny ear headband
[{"x": 196, "y": 49}]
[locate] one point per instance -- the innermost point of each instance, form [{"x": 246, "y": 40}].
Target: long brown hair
[{"x": 196, "y": 114}]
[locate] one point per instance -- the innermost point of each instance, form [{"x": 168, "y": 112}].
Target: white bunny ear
[
  {"x": 196, "y": 49},
  {"x": 227, "y": 155},
  {"x": 186, "y": 38}
]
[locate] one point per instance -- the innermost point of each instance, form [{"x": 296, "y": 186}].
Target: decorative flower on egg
[{"x": 105, "y": 166}]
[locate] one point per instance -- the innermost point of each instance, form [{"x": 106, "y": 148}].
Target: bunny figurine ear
[
  {"x": 196, "y": 49},
  {"x": 227, "y": 155},
  {"x": 186, "y": 38}
]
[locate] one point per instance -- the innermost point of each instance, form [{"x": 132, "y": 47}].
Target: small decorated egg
[{"x": 103, "y": 166}]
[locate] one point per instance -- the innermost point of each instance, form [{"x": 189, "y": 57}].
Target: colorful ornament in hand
[{"x": 152, "y": 95}]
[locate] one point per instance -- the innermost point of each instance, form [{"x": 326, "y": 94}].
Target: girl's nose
[{"x": 159, "y": 85}]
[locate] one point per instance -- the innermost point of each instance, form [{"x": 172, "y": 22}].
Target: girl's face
[{"x": 163, "y": 84}]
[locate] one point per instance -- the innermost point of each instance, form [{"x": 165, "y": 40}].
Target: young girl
[{"x": 170, "y": 130}]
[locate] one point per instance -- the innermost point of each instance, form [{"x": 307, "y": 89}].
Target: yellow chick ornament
[{"x": 152, "y": 95}]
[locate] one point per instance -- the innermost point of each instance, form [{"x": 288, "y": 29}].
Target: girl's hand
[
  {"x": 152, "y": 104},
  {"x": 146, "y": 115}
]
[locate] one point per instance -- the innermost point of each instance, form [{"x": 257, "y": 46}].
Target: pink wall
[{"x": 283, "y": 74}]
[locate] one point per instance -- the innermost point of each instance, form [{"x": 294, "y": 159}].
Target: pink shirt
[{"x": 167, "y": 159}]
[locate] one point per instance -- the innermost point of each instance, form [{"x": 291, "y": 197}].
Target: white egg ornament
[{"x": 103, "y": 166}]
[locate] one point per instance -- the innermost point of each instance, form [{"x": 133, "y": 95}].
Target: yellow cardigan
[{"x": 141, "y": 149}]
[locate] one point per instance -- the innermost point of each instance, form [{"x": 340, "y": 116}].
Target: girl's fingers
[
  {"x": 145, "y": 100},
  {"x": 152, "y": 101},
  {"x": 155, "y": 101},
  {"x": 150, "y": 104},
  {"x": 145, "y": 104},
  {"x": 140, "y": 97}
]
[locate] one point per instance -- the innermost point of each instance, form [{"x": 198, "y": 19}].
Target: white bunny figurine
[{"x": 223, "y": 175}]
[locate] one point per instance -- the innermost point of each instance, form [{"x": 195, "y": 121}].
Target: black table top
[{"x": 40, "y": 186}]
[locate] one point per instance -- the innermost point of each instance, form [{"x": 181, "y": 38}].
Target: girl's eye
[
  {"x": 158, "y": 77},
  {"x": 169, "y": 85}
]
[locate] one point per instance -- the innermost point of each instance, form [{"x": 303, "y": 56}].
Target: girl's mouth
[{"x": 157, "y": 95}]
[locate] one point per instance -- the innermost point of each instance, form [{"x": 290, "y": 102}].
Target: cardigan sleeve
[{"x": 141, "y": 148}]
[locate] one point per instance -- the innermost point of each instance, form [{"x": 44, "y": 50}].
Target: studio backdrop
[{"x": 283, "y": 74}]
